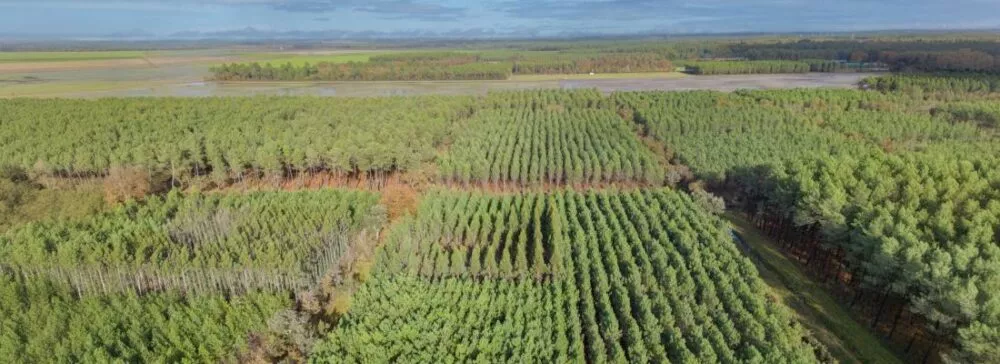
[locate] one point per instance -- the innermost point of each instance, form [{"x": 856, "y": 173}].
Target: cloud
[
  {"x": 586, "y": 9},
  {"x": 308, "y": 6},
  {"x": 425, "y": 10},
  {"x": 458, "y": 33},
  {"x": 545, "y": 17},
  {"x": 387, "y": 9},
  {"x": 407, "y": 9}
]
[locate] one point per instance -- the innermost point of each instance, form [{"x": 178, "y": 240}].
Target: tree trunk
[
  {"x": 856, "y": 297},
  {"x": 881, "y": 306},
  {"x": 934, "y": 341},
  {"x": 895, "y": 321},
  {"x": 913, "y": 337},
  {"x": 927, "y": 354}
]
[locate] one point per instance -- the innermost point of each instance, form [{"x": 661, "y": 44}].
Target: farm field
[
  {"x": 435, "y": 211},
  {"x": 6, "y": 57}
]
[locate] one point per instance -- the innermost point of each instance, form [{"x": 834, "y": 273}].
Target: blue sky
[{"x": 543, "y": 17}]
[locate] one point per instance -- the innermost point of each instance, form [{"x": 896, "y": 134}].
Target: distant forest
[{"x": 698, "y": 57}]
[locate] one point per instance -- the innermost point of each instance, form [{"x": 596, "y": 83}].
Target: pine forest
[{"x": 519, "y": 226}]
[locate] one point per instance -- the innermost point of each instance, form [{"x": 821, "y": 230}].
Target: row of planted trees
[
  {"x": 520, "y": 138},
  {"x": 959, "y": 84},
  {"x": 198, "y": 243},
  {"x": 641, "y": 276},
  {"x": 46, "y": 322},
  {"x": 891, "y": 197},
  {"x": 177, "y": 278},
  {"x": 747, "y": 67},
  {"x": 227, "y": 139},
  {"x": 549, "y": 147}
]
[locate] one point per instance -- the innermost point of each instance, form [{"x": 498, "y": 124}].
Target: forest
[
  {"x": 900, "y": 206},
  {"x": 519, "y": 226},
  {"x": 490, "y": 65},
  {"x": 197, "y": 243},
  {"x": 528, "y": 147},
  {"x": 490, "y": 61},
  {"x": 225, "y": 139},
  {"x": 617, "y": 276},
  {"x": 922, "y": 55}
]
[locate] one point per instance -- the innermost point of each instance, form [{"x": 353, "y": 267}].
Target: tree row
[{"x": 635, "y": 276}]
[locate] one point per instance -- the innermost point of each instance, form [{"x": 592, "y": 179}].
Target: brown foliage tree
[{"x": 123, "y": 183}]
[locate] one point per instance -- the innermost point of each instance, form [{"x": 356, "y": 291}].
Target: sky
[{"x": 175, "y": 18}]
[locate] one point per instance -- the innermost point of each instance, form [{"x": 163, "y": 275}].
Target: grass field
[
  {"x": 52, "y": 89},
  {"x": 847, "y": 340},
  {"x": 6, "y": 57}
]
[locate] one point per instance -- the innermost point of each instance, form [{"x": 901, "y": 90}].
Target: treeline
[
  {"x": 164, "y": 143},
  {"x": 959, "y": 85},
  {"x": 917, "y": 231},
  {"x": 771, "y": 67},
  {"x": 586, "y": 63},
  {"x": 615, "y": 276},
  {"x": 445, "y": 66},
  {"x": 173, "y": 141},
  {"x": 901, "y": 55},
  {"x": 816, "y": 65},
  {"x": 280, "y": 241},
  {"x": 747, "y": 67},
  {"x": 227, "y": 139},
  {"x": 357, "y": 71},
  {"x": 744, "y": 57}
]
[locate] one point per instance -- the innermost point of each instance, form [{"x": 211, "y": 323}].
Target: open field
[
  {"x": 6, "y": 57},
  {"x": 108, "y": 64}
]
